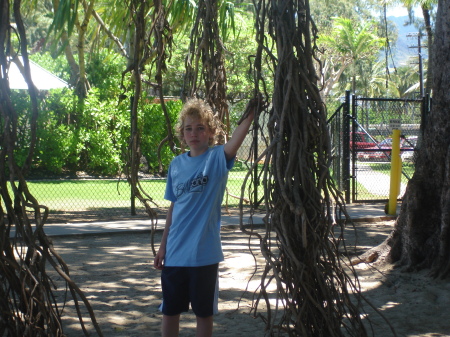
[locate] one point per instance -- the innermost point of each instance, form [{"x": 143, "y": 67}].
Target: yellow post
[{"x": 396, "y": 171}]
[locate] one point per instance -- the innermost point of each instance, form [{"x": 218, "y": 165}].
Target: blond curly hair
[{"x": 198, "y": 108}]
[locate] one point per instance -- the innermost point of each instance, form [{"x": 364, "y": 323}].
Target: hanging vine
[
  {"x": 206, "y": 57},
  {"x": 163, "y": 42},
  {"x": 152, "y": 39},
  {"x": 317, "y": 292},
  {"x": 28, "y": 304}
]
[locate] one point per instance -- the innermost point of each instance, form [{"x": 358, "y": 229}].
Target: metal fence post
[
  {"x": 346, "y": 147},
  {"x": 353, "y": 117},
  {"x": 133, "y": 153}
]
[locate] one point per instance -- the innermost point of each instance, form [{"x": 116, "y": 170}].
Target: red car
[
  {"x": 360, "y": 140},
  {"x": 385, "y": 146}
]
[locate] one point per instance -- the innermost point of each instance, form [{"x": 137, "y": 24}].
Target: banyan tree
[
  {"x": 316, "y": 291},
  {"x": 28, "y": 303}
]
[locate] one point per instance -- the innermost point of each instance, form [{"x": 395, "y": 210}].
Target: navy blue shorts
[{"x": 195, "y": 285}]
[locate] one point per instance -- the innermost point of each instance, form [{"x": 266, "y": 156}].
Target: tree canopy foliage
[{"x": 105, "y": 29}]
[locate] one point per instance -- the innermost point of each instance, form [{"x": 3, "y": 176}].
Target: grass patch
[
  {"x": 385, "y": 167},
  {"x": 364, "y": 194},
  {"x": 84, "y": 194}
]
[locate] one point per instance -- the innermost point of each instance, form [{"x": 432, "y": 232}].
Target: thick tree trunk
[{"x": 421, "y": 238}]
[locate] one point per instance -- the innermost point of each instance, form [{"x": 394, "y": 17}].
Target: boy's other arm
[
  {"x": 233, "y": 145},
  {"x": 159, "y": 258}
]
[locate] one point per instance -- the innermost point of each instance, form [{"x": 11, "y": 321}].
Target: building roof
[{"x": 42, "y": 78}]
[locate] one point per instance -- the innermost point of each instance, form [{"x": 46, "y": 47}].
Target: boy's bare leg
[
  {"x": 204, "y": 326},
  {"x": 170, "y": 326}
]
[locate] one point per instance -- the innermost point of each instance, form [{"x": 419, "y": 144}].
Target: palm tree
[
  {"x": 374, "y": 82},
  {"x": 404, "y": 82},
  {"x": 426, "y": 7},
  {"x": 348, "y": 42}
]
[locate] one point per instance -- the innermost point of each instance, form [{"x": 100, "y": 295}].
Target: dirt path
[{"x": 115, "y": 273}]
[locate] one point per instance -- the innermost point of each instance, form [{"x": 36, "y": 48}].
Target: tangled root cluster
[{"x": 315, "y": 296}]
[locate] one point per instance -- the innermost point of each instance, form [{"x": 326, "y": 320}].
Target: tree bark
[
  {"x": 421, "y": 236},
  {"x": 83, "y": 86}
]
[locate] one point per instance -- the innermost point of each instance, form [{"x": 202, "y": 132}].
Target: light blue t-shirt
[{"x": 196, "y": 186}]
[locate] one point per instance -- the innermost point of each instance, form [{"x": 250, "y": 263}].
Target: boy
[{"x": 190, "y": 249}]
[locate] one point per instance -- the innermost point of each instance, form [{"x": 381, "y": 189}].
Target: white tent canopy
[{"x": 42, "y": 79}]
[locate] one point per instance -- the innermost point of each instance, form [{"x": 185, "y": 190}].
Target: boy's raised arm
[{"x": 233, "y": 145}]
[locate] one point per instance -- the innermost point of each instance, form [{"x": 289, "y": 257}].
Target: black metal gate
[{"x": 360, "y": 132}]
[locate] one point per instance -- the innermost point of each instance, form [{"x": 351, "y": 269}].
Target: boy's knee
[{"x": 204, "y": 326}]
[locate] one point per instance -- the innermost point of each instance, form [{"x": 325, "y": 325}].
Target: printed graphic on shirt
[{"x": 195, "y": 185}]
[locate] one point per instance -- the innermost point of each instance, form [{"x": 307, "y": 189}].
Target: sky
[
  {"x": 396, "y": 11},
  {"x": 401, "y": 11}
]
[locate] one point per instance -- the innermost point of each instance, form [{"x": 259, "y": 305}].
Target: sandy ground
[{"x": 115, "y": 272}]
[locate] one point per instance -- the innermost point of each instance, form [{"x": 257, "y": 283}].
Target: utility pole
[{"x": 419, "y": 52}]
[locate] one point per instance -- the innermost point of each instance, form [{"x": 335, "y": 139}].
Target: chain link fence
[
  {"x": 373, "y": 120},
  {"x": 87, "y": 198},
  {"x": 360, "y": 130}
]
